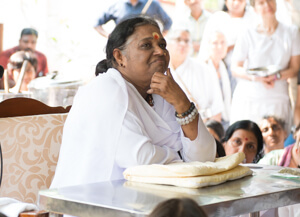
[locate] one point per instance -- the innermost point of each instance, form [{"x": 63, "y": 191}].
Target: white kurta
[
  {"x": 198, "y": 82},
  {"x": 251, "y": 100},
  {"x": 111, "y": 127},
  {"x": 195, "y": 27},
  {"x": 225, "y": 87}
]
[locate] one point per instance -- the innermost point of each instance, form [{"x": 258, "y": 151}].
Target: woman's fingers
[{"x": 165, "y": 86}]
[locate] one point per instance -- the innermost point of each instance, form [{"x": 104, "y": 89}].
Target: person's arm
[
  {"x": 101, "y": 31},
  {"x": 137, "y": 148},
  {"x": 292, "y": 69},
  {"x": 166, "y": 87}
]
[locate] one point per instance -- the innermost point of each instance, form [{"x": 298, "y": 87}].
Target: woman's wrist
[{"x": 188, "y": 116}]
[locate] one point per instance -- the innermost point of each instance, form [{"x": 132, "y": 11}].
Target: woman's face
[
  {"x": 265, "y": 8},
  {"x": 242, "y": 141},
  {"x": 236, "y": 7},
  {"x": 218, "y": 46},
  {"x": 145, "y": 54}
]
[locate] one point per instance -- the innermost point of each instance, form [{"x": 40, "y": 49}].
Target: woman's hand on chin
[{"x": 166, "y": 87}]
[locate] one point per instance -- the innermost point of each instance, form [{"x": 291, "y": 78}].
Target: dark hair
[
  {"x": 29, "y": 31},
  {"x": 215, "y": 126},
  {"x": 119, "y": 37},
  {"x": 225, "y": 8},
  {"x": 178, "y": 207},
  {"x": 245, "y": 125},
  {"x": 220, "y": 149}
]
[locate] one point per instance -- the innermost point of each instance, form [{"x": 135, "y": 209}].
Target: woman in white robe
[
  {"x": 269, "y": 43},
  {"x": 125, "y": 117}
]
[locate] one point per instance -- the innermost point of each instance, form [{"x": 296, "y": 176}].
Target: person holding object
[
  {"x": 270, "y": 43},
  {"x": 15, "y": 65},
  {"x": 27, "y": 42},
  {"x": 132, "y": 113}
]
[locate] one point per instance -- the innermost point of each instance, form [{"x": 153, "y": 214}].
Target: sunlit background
[{"x": 66, "y": 33}]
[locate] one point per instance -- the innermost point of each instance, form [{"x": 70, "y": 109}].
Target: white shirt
[
  {"x": 111, "y": 127},
  {"x": 195, "y": 27},
  {"x": 198, "y": 82},
  {"x": 259, "y": 50},
  {"x": 251, "y": 100}
]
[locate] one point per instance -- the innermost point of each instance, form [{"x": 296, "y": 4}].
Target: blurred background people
[
  {"x": 243, "y": 136},
  {"x": 287, "y": 157},
  {"x": 27, "y": 42},
  {"x": 273, "y": 132},
  {"x": 194, "y": 18},
  {"x": 15, "y": 65},
  {"x": 127, "y": 8},
  {"x": 234, "y": 19},
  {"x": 194, "y": 77},
  {"x": 216, "y": 129},
  {"x": 270, "y": 43},
  {"x": 178, "y": 207},
  {"x": 217, "y": 49}
]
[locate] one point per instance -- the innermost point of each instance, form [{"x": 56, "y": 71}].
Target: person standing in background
[
  {"x": 126, "y": 8},
  {"x": 235, "y": 18},
  {"x": 27, "y": 42},
  {"x": 269, "y": 43},
  {"x": 194, "y": 21}
]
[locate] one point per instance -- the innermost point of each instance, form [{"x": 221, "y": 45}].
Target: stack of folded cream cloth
[{"x": 191, "y": 174}]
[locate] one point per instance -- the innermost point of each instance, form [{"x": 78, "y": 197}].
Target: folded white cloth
[
  {"x": 12, "y": 208},
  {"x": 190, "y": 175},
  {"x": 187, "y": 169}
]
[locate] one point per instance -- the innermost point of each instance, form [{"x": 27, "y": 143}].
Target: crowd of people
[{"x": 198, "y": 67}]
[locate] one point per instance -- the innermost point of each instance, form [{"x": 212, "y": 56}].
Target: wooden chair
[
  {"x": 22, "y": 106},
  {"x": 30, "y": 137}
]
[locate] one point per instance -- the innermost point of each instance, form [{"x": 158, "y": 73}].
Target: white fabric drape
[{"x": 111, "y": 127}]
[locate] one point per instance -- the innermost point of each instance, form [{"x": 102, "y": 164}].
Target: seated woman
[
  {"x": 243, "y": 136},
  {"x": 15, "y": 65},
  {"x": 125, "y": 116}
]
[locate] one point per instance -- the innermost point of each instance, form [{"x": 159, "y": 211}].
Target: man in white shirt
[{"x": 195, "y": 19}]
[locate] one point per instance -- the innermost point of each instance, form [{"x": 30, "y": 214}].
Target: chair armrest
[{"x": 40, "y": 213}]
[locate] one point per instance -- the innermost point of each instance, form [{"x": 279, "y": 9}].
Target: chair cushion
[{"x": 30, "y": 148}]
